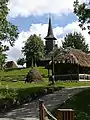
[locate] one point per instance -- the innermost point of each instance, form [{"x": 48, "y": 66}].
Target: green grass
[
  {"x": 9, "y": 76},
  {"x": 20, "y": 74},
  {"x": 72, "y": 84},
  {"x": 12, "y": 85},
  {"x": 14, "y": 97},
  {"x": 80, "y": 103},
  {"x": 10, "y": 90},
  {"x": 19, "y": 89},
  {"x": 11, "y": 72},
  {"x": 21, "y": 84},
  {"x": 14, "y": 94}
]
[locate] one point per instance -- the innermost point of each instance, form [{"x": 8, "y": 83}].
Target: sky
[{"x": 31, "y": 17}]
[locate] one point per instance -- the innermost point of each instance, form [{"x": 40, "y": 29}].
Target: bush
[{"x": 14, "y": 97}]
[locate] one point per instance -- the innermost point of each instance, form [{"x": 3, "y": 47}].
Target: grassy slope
[
  {"x": 72, "y": 84},
  {"x": 11, "y": 72},
  {"x": 19, "y": 74},
  {"x": 15, "y": 74},
  {"x": 81, "y": 104}
]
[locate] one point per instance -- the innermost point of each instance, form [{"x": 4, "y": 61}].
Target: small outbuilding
[
  {"x": 72, "y": 64},
  {"x": 11, "y": 64}
]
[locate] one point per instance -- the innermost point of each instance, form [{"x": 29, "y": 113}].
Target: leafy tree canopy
[
  {"x": 8, "y": 31},
  {"x": 82, "y": 11},
  {"x": 21, "y": 61},
  {"x": 75, "y": 40},
  {"x": 33, "y": 49}
]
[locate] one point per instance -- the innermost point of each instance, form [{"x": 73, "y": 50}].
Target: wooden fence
[{"x": 63, "y": 114}]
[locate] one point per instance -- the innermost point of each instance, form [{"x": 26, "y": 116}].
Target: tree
[
  {"x": 3, "y": 56},
  {"x": 21, "y": 61},
  {"x": 83, "y": 13},
  {"x": 33, "y": 49},
  {"x": 75, "y": 40},
  {"x": 8, "y": 31},
  {"x": 2, "y": 60}
]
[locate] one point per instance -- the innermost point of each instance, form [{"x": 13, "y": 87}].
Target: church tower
[{"x": 50, "y": 39}]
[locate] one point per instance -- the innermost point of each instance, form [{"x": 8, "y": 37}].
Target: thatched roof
[
  {"x": 73, "y": 56},
  {"x": 11, "y": 64}
]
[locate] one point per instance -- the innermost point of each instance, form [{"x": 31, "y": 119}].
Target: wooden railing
[{"x": 63, "y": 114}]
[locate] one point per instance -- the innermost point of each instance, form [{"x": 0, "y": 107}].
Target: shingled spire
[
  {"x": 50, "y": 31},
  {"x": 50, "y": 38}
]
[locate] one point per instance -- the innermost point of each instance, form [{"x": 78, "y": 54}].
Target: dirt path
[{"x": 30, "y": 111}]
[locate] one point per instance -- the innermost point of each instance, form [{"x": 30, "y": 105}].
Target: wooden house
[{"x": 71, "y": 64}]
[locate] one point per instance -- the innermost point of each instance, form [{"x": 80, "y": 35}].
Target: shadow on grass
[
  {"x": 80, "y": 103},
  {"x": 11, "y": 69},
  {"x": 14, "y": 98}
]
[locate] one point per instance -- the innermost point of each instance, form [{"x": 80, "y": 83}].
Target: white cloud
[
  {"x": 15, "y": 52},
  {"x": 26, "y": 8},
  {"x": 59, "y": 32},
  {"x": 74, "y": 26}
]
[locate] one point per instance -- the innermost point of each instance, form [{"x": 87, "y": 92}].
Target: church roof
[{"x": 50, "y": 35}]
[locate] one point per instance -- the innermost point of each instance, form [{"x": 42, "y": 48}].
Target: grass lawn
[
  {"x": 6, "y": 78},
  {"x": 81, "y": 104},
  {"x": 16, "y": 74},
  {"x": 12, "y": 85},
  {"x": 14, "y": 94},
  {"x": 21, "y": 91},
  {"x": 72, "y": 84},
  {"x": 22, "y": 84},
  {"x": 20, "y": 74},
  {"x": 10, "y": 72}
]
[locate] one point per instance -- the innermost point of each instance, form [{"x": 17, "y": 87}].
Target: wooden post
[
  {"x": 65, "y": 114},
  {"x": 78, "y": 71},
  {"x": 41, "y": 110}
]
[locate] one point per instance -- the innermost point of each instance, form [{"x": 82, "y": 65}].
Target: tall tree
[
  {"x": 33, "y": 49},
  {"x": 3, "y": 56},
  {"x": 82, "y": 11},
  {"x": 75, "y": 40},
  {"x": 8, "y": 31}
]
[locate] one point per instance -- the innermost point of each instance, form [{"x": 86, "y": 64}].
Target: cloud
[
  {"x": 59, "y": 32},
  {"x": 26, "y": 8},
  {"x": 74, "y": 26},
  {"x": 15, "y": 52}
]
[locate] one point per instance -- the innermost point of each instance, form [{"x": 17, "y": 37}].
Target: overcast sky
[{"x": 31, "y": 16}]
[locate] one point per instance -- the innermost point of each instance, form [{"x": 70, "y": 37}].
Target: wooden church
[
  {"x": 49, "y": 45},
  {"x": 50, "y": 39},
  {"x": 67, "y": 64}
]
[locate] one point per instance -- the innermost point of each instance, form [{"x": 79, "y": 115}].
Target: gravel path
[{"x": 30, "y": 111}]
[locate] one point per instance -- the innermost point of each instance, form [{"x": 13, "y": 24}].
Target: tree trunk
[{"x": 32, "y": 61}]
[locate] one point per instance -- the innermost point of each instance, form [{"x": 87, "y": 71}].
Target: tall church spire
[
  {"x": 50, "y": 39},
  {"x": 50, "y": 31}
]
